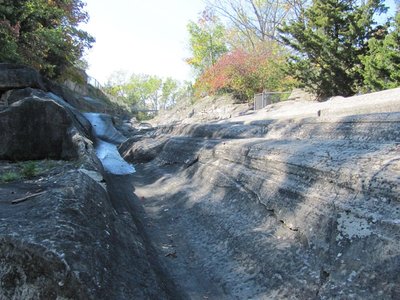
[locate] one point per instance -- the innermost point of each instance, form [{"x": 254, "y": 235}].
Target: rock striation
[{"x": 291, "y": 208}]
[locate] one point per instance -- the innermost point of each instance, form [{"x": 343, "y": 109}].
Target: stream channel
[{"x": 187, "y": 248}]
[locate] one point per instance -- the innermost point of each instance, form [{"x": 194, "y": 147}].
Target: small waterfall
[{"x": 107, "y": 139}]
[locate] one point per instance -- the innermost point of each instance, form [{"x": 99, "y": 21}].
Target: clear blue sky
[
  {"x": 140, "y": 36},
  {"x": 147, "y": 37}
]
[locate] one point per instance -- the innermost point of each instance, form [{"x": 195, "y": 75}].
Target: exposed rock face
[
  {"x": 17, "y": 76},
  {"x": 69, "y": 239},
  {"x": 207, "y": 110},
  {"x": 305, "y": 208},
  {"x": 142, "y": 152},
  {"x": 36, "y": 129},
  {"x": 73, "y": 242},
  {"x": 37, "y": 125},
  {"x": 83, "y": 103}
]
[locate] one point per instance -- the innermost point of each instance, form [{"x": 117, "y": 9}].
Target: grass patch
[
  {"x": 29, "y": 169},
  {"x": 10, "y": 176}
]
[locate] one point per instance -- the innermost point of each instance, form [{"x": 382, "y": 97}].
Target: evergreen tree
[
  {"x": 329, "y": 38},
  {"x": 382, "y": 62}
]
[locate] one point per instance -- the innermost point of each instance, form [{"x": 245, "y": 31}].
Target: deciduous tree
[
  {"x": 253, "y": 21},
  {"x": 43, "y": 34},
  {"x": 244, "y": 73},
  {"x": 169, "y": 93},
  {"x": 144, "y": 92},
  {"x": 207, "y": 41}
]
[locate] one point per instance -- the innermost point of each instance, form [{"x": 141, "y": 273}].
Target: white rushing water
[{"x": 107, "y": 151}]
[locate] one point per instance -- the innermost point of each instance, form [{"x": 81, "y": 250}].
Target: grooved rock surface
[
  {"x": 142, "y": 152},
  {"x": 278, "y": 208}
]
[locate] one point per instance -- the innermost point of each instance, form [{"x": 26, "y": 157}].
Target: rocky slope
[
  {"x": 62, "y": 235},
  {"x": 297, "y": 201},
  {"x": 283, "y": 204}
]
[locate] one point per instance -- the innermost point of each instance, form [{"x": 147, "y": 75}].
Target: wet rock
[{"x": 103, "y": 128}]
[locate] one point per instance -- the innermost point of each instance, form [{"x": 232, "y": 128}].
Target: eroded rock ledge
[
  {"x": 307, "y": 208},
  {"x": 68, "y": 239}
]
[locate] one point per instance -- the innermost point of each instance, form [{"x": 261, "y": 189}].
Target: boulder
[
  {"x": 80, "y": 122},
  {"x": 13, "y": 76},
  {"x": 142, "y": 152},
  {"x": 35, "y": 128}
]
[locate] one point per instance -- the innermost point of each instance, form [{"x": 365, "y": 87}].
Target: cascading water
[{"x": 107, "y": 139}]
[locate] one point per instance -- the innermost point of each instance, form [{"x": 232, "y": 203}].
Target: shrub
[
  {"x": 245, "y": 73},
  {"x": 10, "y": 176},
  {"x": 29, "y": 169}
]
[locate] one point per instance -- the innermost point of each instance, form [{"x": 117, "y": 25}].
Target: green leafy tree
[
  {"x": 382, "y": 62},
  {"x": 144, "y": 92},
  {"x": 329, "y": 40},
  {"x": 43, "y": 34},
  {"x": 169, "y": 93},
  {"x": 207, "y": 41},
  {"x": 116, "y": 88}
]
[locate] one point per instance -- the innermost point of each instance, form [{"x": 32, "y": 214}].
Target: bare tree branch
[{"x": 258, "y": 20}]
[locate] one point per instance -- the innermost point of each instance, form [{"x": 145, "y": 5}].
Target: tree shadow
[{"x": 287, "y": 209}]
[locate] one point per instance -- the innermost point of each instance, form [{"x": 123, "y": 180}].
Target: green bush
[
  {"x": 382, "y": 62},
  {"x": 9, "y": 176},
  {"x": 50, "y": 28},
  {"x": 29, "y": 169}
]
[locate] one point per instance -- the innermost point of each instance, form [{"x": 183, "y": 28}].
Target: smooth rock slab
[{"x": 300, "y": 209}]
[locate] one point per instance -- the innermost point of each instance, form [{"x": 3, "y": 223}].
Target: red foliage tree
[{"x": 244, "y": 73}]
